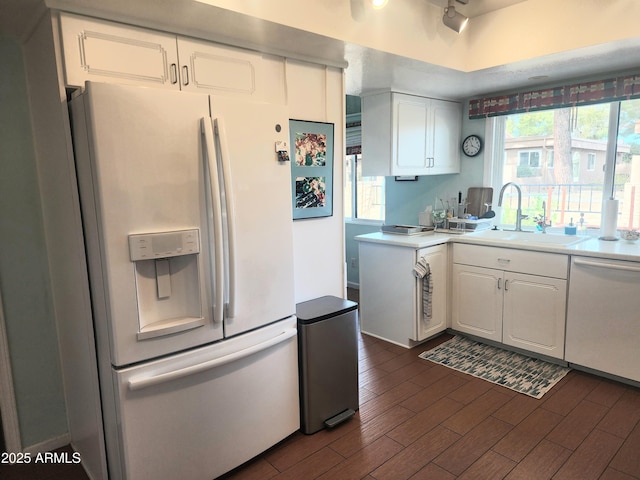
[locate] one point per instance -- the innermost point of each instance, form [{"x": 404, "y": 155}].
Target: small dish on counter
[{"x": 631, "y": 236}]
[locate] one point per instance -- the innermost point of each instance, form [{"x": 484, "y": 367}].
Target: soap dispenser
[{"x": 570, "y": 229}]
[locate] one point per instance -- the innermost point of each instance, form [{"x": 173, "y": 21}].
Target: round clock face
[{"x": 472, "y": 145}]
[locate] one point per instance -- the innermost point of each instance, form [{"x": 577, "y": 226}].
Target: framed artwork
[{"x": 311, "y": 168}]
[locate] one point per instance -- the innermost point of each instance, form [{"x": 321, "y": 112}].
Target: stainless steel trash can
[{"x": 328, "y": 361}]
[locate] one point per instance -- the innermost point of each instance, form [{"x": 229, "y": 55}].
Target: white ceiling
[{"x": 367, "y": 70}]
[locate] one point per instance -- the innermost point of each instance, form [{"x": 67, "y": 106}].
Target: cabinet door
[
  {"x": 411, "y": 136},
  {"x": 534, "y": 313},
  {"x": 444, "y": 135},
  {"x": 109, "y": 52},
  {"x": 477, "y": 301},
  {"x": 436, "y": 257},
  {"x": 222, "y": 70}
]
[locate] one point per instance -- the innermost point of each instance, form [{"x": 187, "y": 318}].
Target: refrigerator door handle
[
  {"x": 216, "y": 207},
  {"x": 149, "y": 381},
  {"x": 231, "y": 231}
]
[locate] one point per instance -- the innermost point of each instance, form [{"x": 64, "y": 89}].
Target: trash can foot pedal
[{"x": 341, "y": 417}]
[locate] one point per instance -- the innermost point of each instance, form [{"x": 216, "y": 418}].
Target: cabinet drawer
[
  {"x": 442, "y": 248},
  {"x": 523, "y": 261}
]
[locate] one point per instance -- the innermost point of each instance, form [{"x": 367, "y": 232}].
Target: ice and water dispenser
[{"x": 167, "y": 282}]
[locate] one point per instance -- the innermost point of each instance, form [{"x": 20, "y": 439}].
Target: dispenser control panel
[{"x": 149, "y": 246}]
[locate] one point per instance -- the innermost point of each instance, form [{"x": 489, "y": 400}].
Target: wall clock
[{"x": 472, "y": 145}]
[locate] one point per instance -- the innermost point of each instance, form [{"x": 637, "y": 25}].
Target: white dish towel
[{"x": 422, "y": 270}]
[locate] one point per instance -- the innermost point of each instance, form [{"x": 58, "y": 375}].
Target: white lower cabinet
[
  {"x": 391, "y": 296},
  {"x": 493, "y": 299}
]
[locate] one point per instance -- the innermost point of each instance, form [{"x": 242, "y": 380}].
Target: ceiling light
[
  {"x": 378, "y": 3},
  {"x": 454, "y": 20}
]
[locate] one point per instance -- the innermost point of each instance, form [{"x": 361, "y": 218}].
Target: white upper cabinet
[
  {"x": 410, "y": 135},
  {"x": 108, "y": 52},
  {"x": 104, "y": 51},
  {"x": 219, "y": 69}
]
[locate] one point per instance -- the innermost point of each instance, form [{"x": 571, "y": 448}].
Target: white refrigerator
[{"x": 186, "y": 210}]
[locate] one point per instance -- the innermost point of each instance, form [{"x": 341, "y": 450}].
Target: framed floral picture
[{"x": 311, "y": 168}]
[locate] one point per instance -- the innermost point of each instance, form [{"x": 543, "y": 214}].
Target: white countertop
[
  {"x": 592, "y": 247},
  {"x": 420, "y": 240}
]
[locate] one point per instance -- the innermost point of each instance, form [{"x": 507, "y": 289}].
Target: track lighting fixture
[{"x": 454, "y": 20}]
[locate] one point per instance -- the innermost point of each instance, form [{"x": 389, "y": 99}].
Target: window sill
[{"x": 363, "y": 221}]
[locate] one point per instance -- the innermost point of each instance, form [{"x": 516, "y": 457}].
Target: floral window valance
[{"x": 600, "y": 91}]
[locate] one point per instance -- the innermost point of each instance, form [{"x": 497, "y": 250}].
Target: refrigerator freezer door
[
  {"x": 259, "y": 221},
  {"x": 202, "y": 413},
  {"x": 141, "y": 171}
]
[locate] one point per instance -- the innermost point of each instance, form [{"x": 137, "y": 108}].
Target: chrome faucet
[{"x": 519, "y": 216}]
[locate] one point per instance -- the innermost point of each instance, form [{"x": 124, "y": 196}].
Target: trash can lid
[{"x": 323, "y": 308}]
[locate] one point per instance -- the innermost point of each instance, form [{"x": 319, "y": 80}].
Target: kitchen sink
[{"x": 527, "y": 238}]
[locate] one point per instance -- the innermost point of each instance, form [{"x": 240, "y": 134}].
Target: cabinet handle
[
  {"x": 506, "y": 285},
  {"x": 174, "y": 73},
  {"x": 185, "y": 75},
  {"x": 499, "y": 282},
  {"x": 504, "y": 260}
]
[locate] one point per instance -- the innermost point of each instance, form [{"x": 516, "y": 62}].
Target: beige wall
[
  {"x": 413, "y": 28},
  {"x": 316, "y": 93}
]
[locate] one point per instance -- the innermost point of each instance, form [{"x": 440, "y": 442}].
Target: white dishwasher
[{"x": 603, "y": 316}]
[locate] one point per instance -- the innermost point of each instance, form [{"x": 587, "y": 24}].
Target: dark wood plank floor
[{"x": 418, "y": 420}]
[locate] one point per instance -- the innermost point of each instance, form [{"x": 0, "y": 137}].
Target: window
[
  {"x": 587, "y": 161},
  {"x": 575, "y": 164},
  {"x": 364, "y": 196},
  {"x": 529, "y": 159},
  {"x": 528, "y": 164}
]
